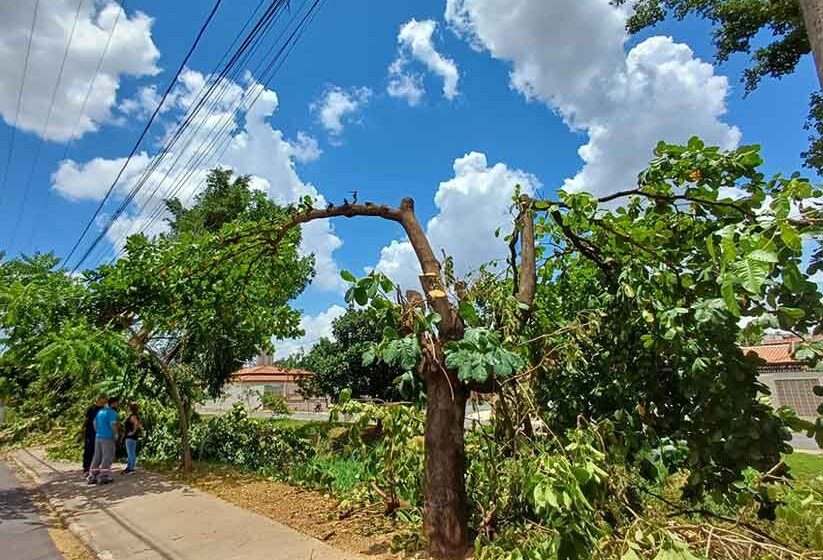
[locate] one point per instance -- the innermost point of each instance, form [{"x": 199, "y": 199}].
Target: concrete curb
[{"x": 77, "y": 529}]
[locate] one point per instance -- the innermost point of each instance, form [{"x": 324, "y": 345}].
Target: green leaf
[
  {"x": 788, "y": 316},
  {"x": 347, "y": 276},
  {"x": 468, "y": 313},
  {"x": 790, "y": 237},
  {"x": 752, "y": 274},
  {"x": 727, "y": 290},
  {"x": 361, "y": 296},
  {"x": 763, "y": 255}
]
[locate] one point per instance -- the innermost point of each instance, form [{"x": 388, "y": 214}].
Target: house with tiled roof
[
  {"x": 248, "y": 385},
  {"x": 789, "y": 380}
]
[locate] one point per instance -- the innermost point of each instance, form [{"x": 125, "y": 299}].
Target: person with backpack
[{"x": 132, "y": 430}]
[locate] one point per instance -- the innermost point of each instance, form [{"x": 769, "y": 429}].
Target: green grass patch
[{"x": 805, "y": 466}]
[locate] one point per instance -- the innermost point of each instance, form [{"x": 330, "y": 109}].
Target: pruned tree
[{"x": 437, "y": 332}]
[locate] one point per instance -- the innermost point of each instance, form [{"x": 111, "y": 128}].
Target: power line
[
  {"x": 83, "y": 106},
  {"x": 88, "y": 225},
  {"x": 196, "y": 159},
  {"x": 215, "y": 80},
  {"x": 220, "y": 141},
  {"x": 42, "y": 209},
  {"x": 19, "y": 99},
  {"x": 27, "y": 189},
  {"x": 223, "y": 81}
]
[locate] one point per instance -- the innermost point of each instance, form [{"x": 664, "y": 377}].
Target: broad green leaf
[
  {"x": 763, "y": 255},
  {"x": 347, "y": 276},
  {"x": 752, "y": 274},
  {"x": 727, "y": 290}
]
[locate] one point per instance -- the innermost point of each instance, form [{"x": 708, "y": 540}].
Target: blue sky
[{"x": 532, "y": 88}]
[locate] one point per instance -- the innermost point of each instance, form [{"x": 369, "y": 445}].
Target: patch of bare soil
[{"x": 365, "y": 531}]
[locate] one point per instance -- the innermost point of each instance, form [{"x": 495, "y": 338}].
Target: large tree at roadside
[
  {"x": 194, "y": 318},
  {"x": 752, "y": 241}
]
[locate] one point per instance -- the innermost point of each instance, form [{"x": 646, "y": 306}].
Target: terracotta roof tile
[
  {"x": 774, "y": 354},
  {"x": 264, "y": 374}
]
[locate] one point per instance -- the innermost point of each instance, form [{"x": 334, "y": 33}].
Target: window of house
[
  {"x": 797, "y": 393},
  {"x": 274, "y": 390}
]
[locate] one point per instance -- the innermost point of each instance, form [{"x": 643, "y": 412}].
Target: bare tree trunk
[
  {"x": 182, "y": 419},
  {"x": 446, "y": 515},
  {"x": 813, "y": 19}
]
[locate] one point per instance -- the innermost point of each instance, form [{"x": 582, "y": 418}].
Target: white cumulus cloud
[
  {"x": 415, "y": 42},
  {"x": 256, "y": 149},
  {"x": 315, "y": 327},
  {"x": 131, "y": 53},
  {"x": 338, "y": 107},
  {"x": 471, "y": 206},
  {"x": 572, "y": 56}
]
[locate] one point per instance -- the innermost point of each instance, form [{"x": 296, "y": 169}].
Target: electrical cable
[{"x": 88, "y": 225}]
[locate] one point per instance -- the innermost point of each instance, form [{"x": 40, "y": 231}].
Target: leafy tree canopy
[{"x": 338, "y": 363}]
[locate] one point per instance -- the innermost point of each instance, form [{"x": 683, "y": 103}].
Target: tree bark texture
[
  {"x": 813, "y": 19},
  {"x": 182, "y": 419},
  {"x": 446, "y": 508}
]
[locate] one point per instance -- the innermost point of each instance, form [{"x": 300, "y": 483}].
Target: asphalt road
[{"x": 23, "y": 535}]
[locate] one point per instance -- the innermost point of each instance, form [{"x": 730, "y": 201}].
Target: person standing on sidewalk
[
  {"x": 107, "y": 427},
  {"x": 132, "y": 429},
  {"x": 89, "y": 432}
]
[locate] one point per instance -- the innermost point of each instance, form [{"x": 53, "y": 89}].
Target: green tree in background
[
  {"x": 337, "y": 363},
  {"x": 196, "y": 316}
]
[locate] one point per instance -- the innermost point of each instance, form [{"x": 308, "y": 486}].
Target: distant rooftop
[{"x": 267, "y": 374}]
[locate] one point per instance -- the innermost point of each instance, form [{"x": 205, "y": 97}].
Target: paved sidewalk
[
  {"x": 23, "y": 534},
  {"x": 146, "y": 517}
]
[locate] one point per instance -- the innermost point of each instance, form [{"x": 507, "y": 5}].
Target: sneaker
[
  {"x": 92, "y": 481},
  {"x": 126, "y": 471}
]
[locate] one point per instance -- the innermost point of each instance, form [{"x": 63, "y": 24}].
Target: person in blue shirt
[{"x": 106, "y": 428}]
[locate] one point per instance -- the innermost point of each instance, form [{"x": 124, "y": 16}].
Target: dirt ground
[{"x": 365, "y": 531}]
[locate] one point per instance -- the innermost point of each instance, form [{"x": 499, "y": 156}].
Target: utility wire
[
  {"x": 19, "y": 99},
  {"x": 36, "y": 158},
  {"x": 221, "y": 140},
  {"x": 88, "y": 225},
  {"x": 222, "y": 82},
  {"x": 205, "y": 94},
  {"x": 70, "y": 144},
  {"x": 195, "y": 160}
]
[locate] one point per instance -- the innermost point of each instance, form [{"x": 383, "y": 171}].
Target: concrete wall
[
  {"x": 249, "y": 395},
  {"x": 770, "y": 379}
]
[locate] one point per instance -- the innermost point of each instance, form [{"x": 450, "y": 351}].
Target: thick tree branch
[
  {"x": 431, "y": 279},
  {"x": 586, "y": 247},
  {"x": 675, "y": 197},
  {"x": 528, "y": 264}
]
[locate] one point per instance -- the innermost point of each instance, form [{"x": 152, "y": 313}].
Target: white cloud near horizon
[
  {"x": 572, "y": 57},
  {"x": 132, "y": 52},
  {"x": 315, "y": 327},
  {"x": 415, "y": 42}
]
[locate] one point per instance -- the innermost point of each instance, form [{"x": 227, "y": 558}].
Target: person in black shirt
[
  {"x": 131, "y": 432},
  {"x": 89, "y": 432}
]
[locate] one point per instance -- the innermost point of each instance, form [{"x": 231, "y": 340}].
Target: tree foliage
[{"x": 337, "y": 363}]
